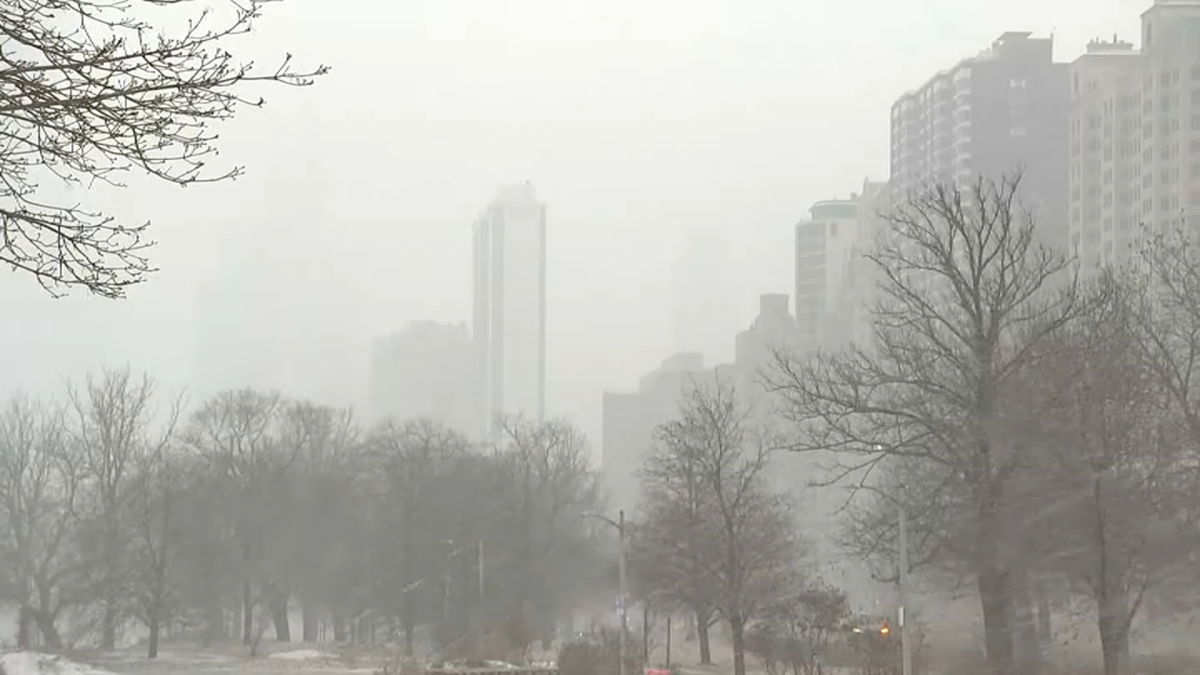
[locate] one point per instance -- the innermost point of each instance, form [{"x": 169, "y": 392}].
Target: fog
[{"x": 644, "y": 125}]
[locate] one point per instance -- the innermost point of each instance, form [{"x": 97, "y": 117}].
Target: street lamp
[
  {"x": 619, "y": 524},
  {"x": 905, "y": 647}
]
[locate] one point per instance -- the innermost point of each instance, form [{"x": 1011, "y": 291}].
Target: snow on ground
[
  {"x": 303, "y": 655},
  {"x": 34, "y": 663}
]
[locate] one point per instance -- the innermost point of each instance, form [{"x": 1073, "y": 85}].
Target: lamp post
[
  {"x": 619, "y": 524},
  {"x": 905, "y": 647}
]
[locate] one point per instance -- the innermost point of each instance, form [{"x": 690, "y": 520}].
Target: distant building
[
  {"x": 426, "y": 370},
  {"x": 1002, "y": 110},
  {"x": 1135, "y": 135},
  {"x": 1105, "y": 149},
  {"x": 774, "y": 330},
  {"x": 825, "y": 245},
  {"x": 631, "y": 418},
  {"x": 510, "y": 306}
]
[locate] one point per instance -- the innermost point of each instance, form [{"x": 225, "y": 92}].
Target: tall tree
[
  {"x": 91, "y": 90},
  {"x": 548, "y": 486},
  {"x": 112, "y": 425},
  {"x": 968, "y": 302},
  {"x": 163, "y": 487},
  {"x": 750, "y": 550},
  {"x": 41, "y": 478},
  {"x": 238, "y": 433}
]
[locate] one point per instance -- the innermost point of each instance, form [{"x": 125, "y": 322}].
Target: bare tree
[
  {"x": 1118, "y": 467},
  {"x": 238, "y": 433},
  {"x": 549, "y": 479},
  {"x": 673, "y": 553},
  {"x": 751, "y": 547},
  {"x": 41, "y": 475},
  {"x": 112, "y": 420},
  {"x": 412, "y": 459},
  {"x": 90, "y": 92},
  {"x": 968, "y": 303},
  {"x": 159, "y": 495},
  {"x": 326, "y": 439},
  {"x": 1170, "y": 320}
]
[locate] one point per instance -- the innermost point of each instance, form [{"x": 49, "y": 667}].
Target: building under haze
[
  {"x": 1005, "y": 109},
  {"x": 825, "y": 245},
  {"x": 426, "y": 370},
  {"x": 510, "y": 306},
  {"x": 1135, "y": 135},
  {"x": 629, "y": 420}
]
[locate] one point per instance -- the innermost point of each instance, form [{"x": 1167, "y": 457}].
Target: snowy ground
[{"x": 185, "y": 661}]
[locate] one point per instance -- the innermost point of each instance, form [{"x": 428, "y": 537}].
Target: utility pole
[
  {"x": 905, "y": 647},
  {"x": 622, "y": 591},
  {"x": 621, "y": 595}
]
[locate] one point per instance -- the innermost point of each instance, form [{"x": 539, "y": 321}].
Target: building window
[{"x": 1017, "y": 131}]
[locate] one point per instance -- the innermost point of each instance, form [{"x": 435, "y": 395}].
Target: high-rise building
[
  {"x": 1105, "y": 152},
  {"x": 510, "y": 306},
  {"x": 825, "y": 244},
  {"x": 630, "y": 419},
  {"x": 1171, "y": 114},
  {"x": 1135, "y": 135},
  {"x": 426, "y": 370},
  {"x": 1003, "y": 110}
]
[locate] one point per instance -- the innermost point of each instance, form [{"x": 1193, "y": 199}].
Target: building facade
[
  {"x": 825, "y": 245},
  {"x": 509, "y": 326},
  {"x": 426, "y": 370},
  {"x": 1135, "y": 136},
  {"x": 630, "y": 419},
  {"x": 1105, "y": 151},
  {"x": 1004, "y": 110}
]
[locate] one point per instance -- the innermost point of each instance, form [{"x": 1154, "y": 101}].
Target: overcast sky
[{"x": 663, "y": 135}]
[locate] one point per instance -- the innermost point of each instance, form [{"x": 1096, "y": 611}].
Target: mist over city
[{"x": 567, "y": 337}]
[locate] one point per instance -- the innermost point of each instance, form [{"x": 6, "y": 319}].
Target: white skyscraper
[{"x": 510, "y": 306}]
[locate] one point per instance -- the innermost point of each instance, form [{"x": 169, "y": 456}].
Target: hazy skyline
[{"x": 636, "y": 121}]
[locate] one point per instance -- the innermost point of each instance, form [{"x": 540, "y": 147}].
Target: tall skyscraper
[
  {"x": 1004, "y": 109},
  {"x": 510, "y": 306},
  {"x": 1135, "y": 135}
]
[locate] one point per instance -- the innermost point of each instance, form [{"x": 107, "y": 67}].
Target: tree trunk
[
  {"x": 278, "y": 597},
  {"x": 339, "y": 627},
  {"x": 1028, "y": 647},
  {"x": 309, "y": 612},
  {"x": 995, "y": 591},
  {"x": 247, "y": 613},
  {"x": 1114, "y": 633},
  {"x": 51, "y": 640},
  {"x": 108, "y": 640},
  {"x": 25, "y": 627},
  {"x": 1045, "y": 626},
  {"x": 154, "y": 620},
  {"x": 702, "y": 625},
  {"x": 410, "y": 630},
  {"x": 996, "y": 598},
  {"x": 737, "y": 635}
]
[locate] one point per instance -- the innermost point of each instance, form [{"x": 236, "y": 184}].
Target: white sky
[{"x": 642, "y": 123}]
